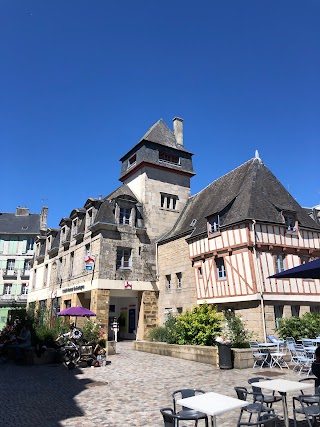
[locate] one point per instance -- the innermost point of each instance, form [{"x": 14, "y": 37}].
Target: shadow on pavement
[{"x": 39, "y": 395}]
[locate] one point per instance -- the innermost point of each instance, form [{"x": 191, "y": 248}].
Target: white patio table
[
  {"x": 212, "y": 404},
  {"x": 283, "y": 387}
]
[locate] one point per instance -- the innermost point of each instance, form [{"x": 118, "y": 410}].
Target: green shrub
[
  {"x": 307, "y": 326},
  {"x": 92, "y": 331},
  {"x": 198, "y": 326},
  {"x": 236, "y": 330}
]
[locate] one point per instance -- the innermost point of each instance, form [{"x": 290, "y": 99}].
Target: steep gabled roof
[
  {"x": 161, "y": 134},
  {"x": 11, "y": 223},
  {"x": 122, "y": 191},
  {"x": 250, "y": 191}
]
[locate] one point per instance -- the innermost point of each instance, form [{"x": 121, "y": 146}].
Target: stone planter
[{"x": 242, "y": 357}]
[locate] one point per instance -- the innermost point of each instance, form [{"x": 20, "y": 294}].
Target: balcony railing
[
  {"x": 8, "y": 272},
  {"x": 25, "y": 272}
]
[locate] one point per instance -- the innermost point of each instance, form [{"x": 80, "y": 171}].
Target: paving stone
[{"x": 127, "y": 393}]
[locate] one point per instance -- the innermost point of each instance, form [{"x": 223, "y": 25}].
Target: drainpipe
[{"x": 256, "y": 256}]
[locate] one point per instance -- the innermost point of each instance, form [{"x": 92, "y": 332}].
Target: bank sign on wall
[{"x": 89, "y": 263}]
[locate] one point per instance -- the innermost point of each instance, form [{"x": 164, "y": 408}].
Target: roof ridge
[{"x": 222, "y": 176}]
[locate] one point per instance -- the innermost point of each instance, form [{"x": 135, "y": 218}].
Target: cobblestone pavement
[{"x": 127, "y": 393}]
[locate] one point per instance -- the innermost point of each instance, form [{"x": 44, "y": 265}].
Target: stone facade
[
  {"x": 173, "y": 260},
  {"x": 103, "y": 256}
]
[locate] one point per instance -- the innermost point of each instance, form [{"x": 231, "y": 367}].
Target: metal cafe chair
[
  {"x": 254, "y": 408},
  {"x": 170, "y": 419},
  {"x": 260, "y": 357},
  {"x": 267, "y": 420},
  {"x": 187, "y": 413},
  {"x": 311, "y": 412},
  {"x": 309, "y": 400},
  {"x": 268, "y": 399}
]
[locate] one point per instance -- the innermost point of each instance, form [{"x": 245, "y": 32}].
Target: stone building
[
  {"x": 18, "y": 232},
  {"x": 103, "y": 255},
  {"x": 229, "y": 238}
]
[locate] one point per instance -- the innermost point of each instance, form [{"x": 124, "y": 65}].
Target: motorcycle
[{"x": 73, "y": 348}]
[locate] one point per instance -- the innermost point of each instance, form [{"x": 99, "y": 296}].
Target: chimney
[
  {"x": 43, "y": 218},
  {"x": 22, "y": 211},
  {"x": 178, "y": 130}
]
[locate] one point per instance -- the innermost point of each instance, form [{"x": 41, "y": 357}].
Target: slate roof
[
  {"x": 250, "y": 191},
  {"x": 160, "y": 134},
  {"x": 124, "y": 190},
  {"x": 11, "y": 223}
]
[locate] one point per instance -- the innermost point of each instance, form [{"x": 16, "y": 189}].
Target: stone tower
[{"x": 158, "y": 171}]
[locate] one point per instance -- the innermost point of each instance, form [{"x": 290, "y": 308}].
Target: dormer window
[
  {"x": 89, "y": 218},
  {"x": 169, "y": 158},
  {"x": 290, "y": 221},
  {"x": 214, "y": 224},
  {"x": 74, "y": 227},
  {"x": 125, "y": 214}
]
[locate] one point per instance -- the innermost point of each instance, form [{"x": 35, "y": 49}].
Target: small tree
[{"x": 236, "y": 330}]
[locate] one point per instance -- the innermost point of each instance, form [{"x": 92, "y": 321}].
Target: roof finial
[{"x": 256, "y": 154}]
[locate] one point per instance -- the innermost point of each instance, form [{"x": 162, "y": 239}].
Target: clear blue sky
[{"x": 82, "y": 81}]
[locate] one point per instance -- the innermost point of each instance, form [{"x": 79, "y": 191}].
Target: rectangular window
[
  {"x": 315, "y": 309},
  {"x": 34, "y": 279},
  {"x": 60, "y": 269},
  {"x": 304, "y": 259},
  {"x": 89, "y": 218},
  {"x": 167, "y": 313},
  {"x": 168, "y": 282},
  {"x": 10, "y": 264},
  {"x": 71, "y": 264},
  {"x": 67, "y": 303},
  {"x": 168, "y": 201},
  {"x": 169, "y": 158},
  {"x": 221, "y": 270},
  {"x": 279, "y": 261},
  {"x": 278, "y": 314},
  {"x": 125, "y": 214},
  {"x": 45, "y": 275},
  {"x": 87, "y": 250},
  {"x": 124, "y": 260},
  {"x": 30, "y": 243},
  {"x": 132, "y": 160},
  {"x": 214, "y": 224},
  {"x": 8, "y": 289},
  {"x": 295, "y": 310},
  {"x": 24, "y": 289},
  {"x": 290, "y": 222},
  {"x": 74, "y": 227},
  {"x": 27, "y": 265},
  {"x": 179, "y": 310},
  {"x": 179, "y": 280}
]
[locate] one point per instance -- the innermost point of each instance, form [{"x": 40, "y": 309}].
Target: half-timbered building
[{"x": 230, "y": 237}]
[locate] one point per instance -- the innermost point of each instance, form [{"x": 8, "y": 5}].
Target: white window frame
[
  {"x": 124, "y": 259},
  {"x": 179, "y": 280},
  {"x": 290, "y": 221},
  {"x": 214, "y": 224},
  {"x": 221, "y": 268},
  {"x": 279, "y": 260},
  {"x": 11, "y": 264},
  {"x": 168, "y": 282},
  {"x": 7, "y": 289},
  {"x": 125, "y": 215},
  {"x": 89, "y": 217}
]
